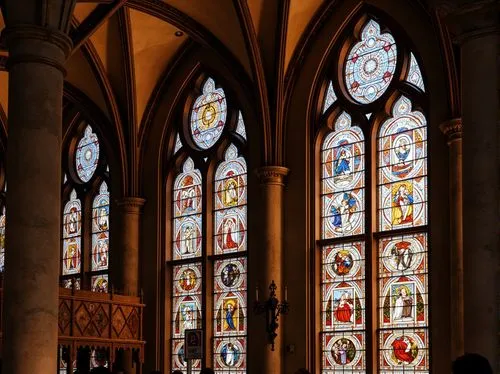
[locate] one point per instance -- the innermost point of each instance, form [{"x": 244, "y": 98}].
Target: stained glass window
[
  {"x": 85, "y": 231},
  {"x": 87, "y": 155},
  {"x": 343, "y": 180},
  {"x": 230, "y": 204},
  {"x": 222, "y": 172},
  {"x": 72, "y": 231},
  {"x": 186, "y": 308},
  {"x": 402, "y": 170},
  {"x": 370, "y": 64},
  {"x": 397, "y": 211},
  {"x": 208, "y": 115},
  {"x": 187, "y": 279},
  {"x": 100, "y": 239},
  {"x": 343, "y": 265},
  {"x": 187, "y": 212},
  {"x": 230, "y": 274},
  {"x": 414, "y": 74},
  {"x": 330, "y": 97}
]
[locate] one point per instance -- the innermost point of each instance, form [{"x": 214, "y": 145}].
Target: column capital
[
  {"x": 272, "y": 174},
  {"x": 14, "y": 35},
  {"x": 469, "y": 19},
  {"x": 131, "y": 204},
  {"x": 452, "y": 129}
]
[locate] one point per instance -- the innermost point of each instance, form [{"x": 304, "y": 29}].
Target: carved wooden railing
[{"x": 99, "y": 321}]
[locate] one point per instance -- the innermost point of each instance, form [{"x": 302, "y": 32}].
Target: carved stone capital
[
  {"x": 131, "y": 205},
  {"x": 13, "y": 36},
  {"x": 467, "y": 19},
  {"x": 272, "y": 175},
  {"x": 452, "y": 129}
]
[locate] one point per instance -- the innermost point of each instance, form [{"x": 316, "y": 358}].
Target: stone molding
[
  {"x": 131, "y": 205},
  {"x": 452, "y": 129},
  {"x": 272, "y": 175},
  {"x": 13, "y": 35}
]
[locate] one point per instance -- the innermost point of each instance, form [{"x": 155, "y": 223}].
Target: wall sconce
[{"x": 273, "y": 308}]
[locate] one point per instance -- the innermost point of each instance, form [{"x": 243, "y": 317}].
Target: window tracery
[
  {"x": 394, "y": 204},
  {"x": 191, "y": 246}
]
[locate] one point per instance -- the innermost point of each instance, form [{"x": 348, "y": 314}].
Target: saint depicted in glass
[
  {"x": 72, "y": 226},
  {"x": 343, "y": 180}
]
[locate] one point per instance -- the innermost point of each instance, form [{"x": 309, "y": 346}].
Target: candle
[
  {"x": 286, "y": 293},
  {"x": 256, "y": 293}
]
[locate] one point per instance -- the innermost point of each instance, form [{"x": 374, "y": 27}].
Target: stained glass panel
[
  {"x": 208, "y": 115},
  {"x": 186, "y": 307},
  {"x": 414, "y": 74},
  {"x": 330, "y": 97},
  {"x": 240, "y": 128},
  {"x": 343, "y": 352},
  {"x": 72, "y": 226},
  {"x": 187, "y": 212},
  {"x": 402, "y": 168},
  {"x": 100, "y": 229},
  {"x": 230, "y": 355},
  {"x": 87, "y": 155},
  {"x": 178, "y": 143},
  {"x": 343, "y": 307},
  {"x": 230, "y": 203},
  {"x": 404, "y": 351},
  {"x": 2, "y": 240},
  {"x": 370, "y": 64},
  {"x": 343, "y": 180},
  {"x": 100, "y": 283},
  {"x": 68, "y": 283}
]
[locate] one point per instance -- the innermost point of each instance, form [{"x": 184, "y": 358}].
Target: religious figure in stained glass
[
  {"x": 343, "y": 179},
  {"x": 343, "y": 351},
  {"x": 404, "y": 350},
  {"x": 208, "y": 116},
  {"x": 230, "y": 275},
  {"x": 402, "y": 207},
  {"x": 371, "y": 64},
  {"x": 342, "y": 263},
  {"x": 87, "y": 155}
]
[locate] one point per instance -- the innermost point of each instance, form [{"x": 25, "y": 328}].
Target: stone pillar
[
  {"x": 475, "y": 24},
  {"x": 453, "y": 131},
  {"x": 129, "y": 218},
  {"x": 272, "y": 181},
  {"x": 31, "y": 293}
]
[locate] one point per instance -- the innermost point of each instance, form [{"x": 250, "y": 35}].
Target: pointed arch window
[
  {"x": 85, "y": 221},
  {"x": 216, "y": 265},
  {"x": 373, "y": 184}
]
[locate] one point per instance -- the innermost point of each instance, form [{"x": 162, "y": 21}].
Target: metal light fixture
[{"x": 273, "y": 309}]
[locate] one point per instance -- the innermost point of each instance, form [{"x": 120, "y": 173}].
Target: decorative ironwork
[{"x": 273, "y": 309}]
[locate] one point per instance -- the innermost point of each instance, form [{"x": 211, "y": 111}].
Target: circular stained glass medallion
[
  {"x": 208, "y": 115},
  {"x": 370, "y": 64},
  {"x": 87, "y": 155}
]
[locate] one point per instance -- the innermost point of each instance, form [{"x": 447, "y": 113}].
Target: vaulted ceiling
[
  {"x": 132, "y": 42},
  {"x": 122, "y": 48}
]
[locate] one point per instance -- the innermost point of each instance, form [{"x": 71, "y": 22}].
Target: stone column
[
  {"x": 477, "y": 30},
  {"x": 272, "y": 181},
  {"x": 129, "y": 212},
  {"x": 31, "y": 293},
  {"x": 453, "y": 131}
]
